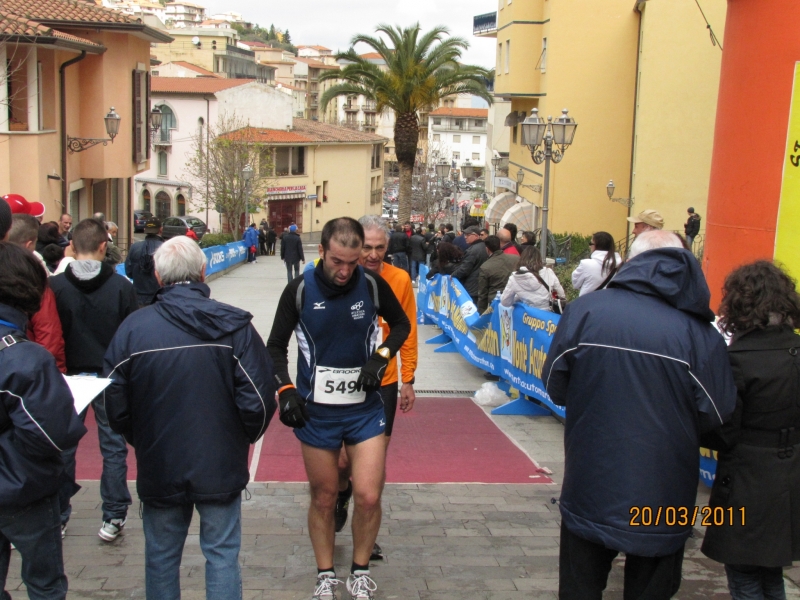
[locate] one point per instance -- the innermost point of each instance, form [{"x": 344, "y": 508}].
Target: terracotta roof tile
[
  {"x": 12, "y": 25},
  {"x": 460, "y": 112},
  {"x": 65, "y": 10},
  {"x": 314, "y": 47},
  {"x": 372, "y": 55},
  {"x": 255, "y": 44},
  {"x": 193, "y": 85},
  {"x": 305, "y": 131},
  {"x": 195, "y": 68},
  {"x": 314, "y": 64}
]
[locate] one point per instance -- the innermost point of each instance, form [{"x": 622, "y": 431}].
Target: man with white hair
[
  {"x": 642, "y": 373},
  {"x": 192, "y": 389},
  {"x": 647, "y": 220}
]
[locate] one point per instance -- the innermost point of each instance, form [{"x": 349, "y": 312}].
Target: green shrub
[{"x": 215, "y": 239}]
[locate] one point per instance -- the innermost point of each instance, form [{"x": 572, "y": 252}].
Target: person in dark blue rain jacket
[
  {"x": 642, "y": 372},
  {"x": 250, "y": 238}
]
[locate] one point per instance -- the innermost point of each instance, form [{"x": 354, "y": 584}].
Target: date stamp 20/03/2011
[{"x": 682, "y": 516}]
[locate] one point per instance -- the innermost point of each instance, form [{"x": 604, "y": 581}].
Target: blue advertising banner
[
  {"x": 218, "y": 258},
  {"x": 510, "y": 342}
]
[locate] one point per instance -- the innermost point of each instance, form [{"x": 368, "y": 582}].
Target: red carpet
[{"x": 443, "y": 440}]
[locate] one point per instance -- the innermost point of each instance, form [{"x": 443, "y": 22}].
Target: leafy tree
[
  {"x": 421, "y": 69},
  {"x": 214, "y": 168}
]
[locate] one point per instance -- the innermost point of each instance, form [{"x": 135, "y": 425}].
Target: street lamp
[
  {"x": 156, "y": 118},
  {"x": 610, "y": 191},
  {"x": 112, "y": 120},
  {"x": 536, "y": 187},
  {"x": 247, "y": 175},
  {"x": 535, "y": 133},
  {"x": 467, "y": 170}
]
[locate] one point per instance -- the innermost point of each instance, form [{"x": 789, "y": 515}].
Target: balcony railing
[
  {"x": 351, "y": 107},
  {"x": 483, "y": 24},
  {"x": 370, "y": 106},
  {"x": 236, "y": 50}
]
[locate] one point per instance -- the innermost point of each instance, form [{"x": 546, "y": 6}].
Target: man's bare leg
[
  {"x": 368, "y": 464},
  {"x": 323, "y": 472}
]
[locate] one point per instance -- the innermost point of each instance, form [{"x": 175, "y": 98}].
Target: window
[
  {"x": 282, "y": 160},
  {"x": 181, "y": 205},
  {"x": 478, "y": 122},
  {"x": 298, "y": 160},
  {"x": 476, "y": 140},
  {"x": 437, "y": 121},
  {"x": 74, "y": 205},
  {"x": 514, "y": 134},
  {"x": 476, "y": 156},
  {"x": 167, "y": 122},
  {"x": 499, "y": 56},
  {"x": 386, "y": 149},
  {"x": 508, "y": 54},
  {"x": 162, "y": 164},
  {"x": 375, "y": 162},
  {"x": 456, "y": 155},
  {"x": 140, "y": 121},
  {"x": 437, "y": 137},
  {"x": 456, "y": 139}
]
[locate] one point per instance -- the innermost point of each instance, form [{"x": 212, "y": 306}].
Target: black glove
[
  {"x": 293, "y": 411},
  {"x": 372, "y": 372}
]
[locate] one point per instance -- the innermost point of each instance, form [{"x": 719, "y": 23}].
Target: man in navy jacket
[
  {"x": 193, "y": 388},
  {"x": 642, "y": 372}
]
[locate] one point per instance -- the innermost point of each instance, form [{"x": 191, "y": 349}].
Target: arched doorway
[
  {"x": 163, "y": 209},
  {"x": 146, "y": 199},
  {"x": 181, "y": 205}
]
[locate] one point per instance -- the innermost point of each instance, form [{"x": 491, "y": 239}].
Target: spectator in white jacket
[
  {"x": 592, "y": 272},
  {"x": 531, "y": 283}
]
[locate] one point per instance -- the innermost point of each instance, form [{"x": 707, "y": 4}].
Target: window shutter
[
  {"x": 137, "y": 117},
  {"x": 146, "y": 119}
]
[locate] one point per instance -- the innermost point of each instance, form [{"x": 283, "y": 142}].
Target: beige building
[
  {"x": 215, "y": 50},
  {"x": 640, "y": 79},
  {"x": 105, "y": 57}
]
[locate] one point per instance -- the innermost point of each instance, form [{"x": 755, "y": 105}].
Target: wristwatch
[
  {"x": 413, "y": 379},
  {"x": 385, "y": 353}
]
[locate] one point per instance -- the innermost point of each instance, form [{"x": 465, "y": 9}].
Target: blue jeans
[
  {"x": 400, "y": 260},
  {"x": 36, "y": 532},
  {"x": 289, "y": 267},
  {"x": 690, "y": 241},
  {"x": 415, "y": 264},
  {"x": 114, "y": 480},
  {"x": 755, "y": 583},
  {"x": 165, "y": 532}
]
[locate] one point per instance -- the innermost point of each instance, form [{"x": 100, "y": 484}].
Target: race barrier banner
[
  {"x": 510, "y": 342},
  {"x": 218, "y": 258}
]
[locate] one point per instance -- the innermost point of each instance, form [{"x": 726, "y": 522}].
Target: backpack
[
  {"x": 6, "y": 342},
  {"x": 147, "y": 264}
]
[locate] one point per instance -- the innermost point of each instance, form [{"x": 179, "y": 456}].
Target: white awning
[
  {"x": 498, "y": 206},
  {"x": 524, "y": 215}
]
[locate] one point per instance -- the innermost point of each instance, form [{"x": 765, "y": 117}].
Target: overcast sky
[{"x": 332, "y": 23}]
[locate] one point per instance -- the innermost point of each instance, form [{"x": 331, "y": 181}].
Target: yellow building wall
[
  {"x": 183, "y": 49},
  {"x": 591, "y": 70},
  {"x": 677, "y": 101},
  {"x": 522, "y": 23},
  {"x": 347, "y": 170}
]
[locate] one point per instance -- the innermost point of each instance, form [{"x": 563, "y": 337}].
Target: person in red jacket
[{"x": 44, "y": 327}]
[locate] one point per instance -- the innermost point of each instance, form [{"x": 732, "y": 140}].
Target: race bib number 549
[{"x": 338, "y": 386}]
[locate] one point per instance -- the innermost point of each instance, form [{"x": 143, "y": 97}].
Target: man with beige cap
[{"x": 647, "y": 220}]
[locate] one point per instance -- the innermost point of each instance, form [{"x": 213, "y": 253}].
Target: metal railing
[{"x": 370, "y": 106}]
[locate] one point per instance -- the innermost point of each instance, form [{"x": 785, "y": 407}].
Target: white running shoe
[
  {"x": 326, "y": 587},
  {"x": 359, "y": 585},
  {"x": 111, "y": 529}
]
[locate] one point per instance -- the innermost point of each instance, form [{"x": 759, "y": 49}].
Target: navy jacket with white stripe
[
  {"x": 41, "y": 419},
  {"x": 642, "y": 372},
  {"x": 193, "y": 388}
]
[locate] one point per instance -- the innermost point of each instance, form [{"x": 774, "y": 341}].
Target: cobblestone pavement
[{"x": 442, "y": 542}]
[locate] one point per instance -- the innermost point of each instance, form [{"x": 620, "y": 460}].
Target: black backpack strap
[
  {"x": 607, "y": 280},
  {"x": 9, "y": 340},
  {"x": 373, "y": 288},
  {"x": 300, "y": 297},
  {"x": 547, "y": 287}
]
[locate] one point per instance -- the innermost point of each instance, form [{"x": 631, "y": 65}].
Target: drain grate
[{"x": 461, "y": 393}]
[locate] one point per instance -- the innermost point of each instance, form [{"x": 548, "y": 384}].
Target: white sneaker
[
  {"x": 359, "y": 585},
  {"x": 326, "y": 587},
  {"x": 111, "y": 529}
]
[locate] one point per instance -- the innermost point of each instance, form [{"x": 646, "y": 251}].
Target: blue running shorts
[{"x": 328, "y": 432}]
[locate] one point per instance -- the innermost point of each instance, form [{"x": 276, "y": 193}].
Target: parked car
[
  {"x": 174, "y": 226},
  {"x": 139, "y": 219}
]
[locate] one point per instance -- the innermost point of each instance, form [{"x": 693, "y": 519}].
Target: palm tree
[{"x": 421, "y": 70}]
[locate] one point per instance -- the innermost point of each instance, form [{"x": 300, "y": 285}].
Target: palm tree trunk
[{"x": 406, "y": 135}]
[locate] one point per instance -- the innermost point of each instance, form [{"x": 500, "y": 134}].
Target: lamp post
[
  {"x": 536, "y": 133},
  {"x": 156, "y": 118},
  {"x": 112, "y": 120},
  {"x": 610, "y": 191},
  {"x": 247, "y": 175},
  {"x": 467, "y": 170}
]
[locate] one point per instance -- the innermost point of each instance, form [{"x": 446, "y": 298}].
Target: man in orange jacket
[{"x": 376, "y": 241}]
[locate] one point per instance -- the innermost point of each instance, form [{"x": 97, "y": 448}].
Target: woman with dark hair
[
  {"x": 48, "y": 234},
  {"x": 532, "y": 283},
  {"x": 449, "y": 255},
  {"x": 37, "y": 422},
  {"x": 757, "y": 484},
  {"x": 596, "y": 271},
  {"x": 528, "y": 238}
]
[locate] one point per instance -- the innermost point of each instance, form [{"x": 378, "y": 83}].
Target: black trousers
[{"x": 584, "y": 568}]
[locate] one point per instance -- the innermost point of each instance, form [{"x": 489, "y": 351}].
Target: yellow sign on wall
[{"x": 787, "y": 237}]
